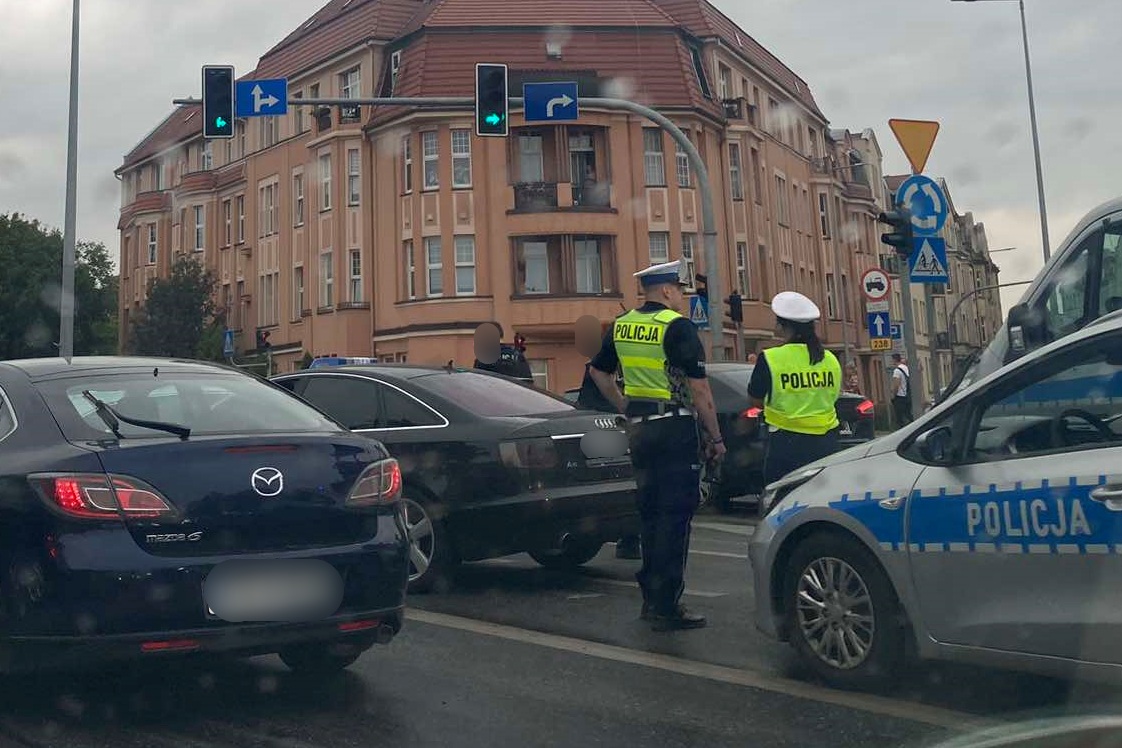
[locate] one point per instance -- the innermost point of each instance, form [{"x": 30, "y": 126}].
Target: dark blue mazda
[{"x": 153, "y": 507}]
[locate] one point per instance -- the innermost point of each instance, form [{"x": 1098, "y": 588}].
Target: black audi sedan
[
  {"x": 491, "y": 466},
  {"x": 152, "y": 507}
]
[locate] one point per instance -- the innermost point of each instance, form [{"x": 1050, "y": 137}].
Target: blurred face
[
  {"x": 673, "y": 296},
  {"x": 588, "y": 335},
  {"x": 487, "y": 343}
]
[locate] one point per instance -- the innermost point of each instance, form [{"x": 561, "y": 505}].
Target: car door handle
[{"x": 1107, "y": 493}]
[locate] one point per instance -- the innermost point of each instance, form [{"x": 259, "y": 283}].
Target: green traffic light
[
  {"x": 493, "y": 119},
  {"x": 220, "y": 122}
]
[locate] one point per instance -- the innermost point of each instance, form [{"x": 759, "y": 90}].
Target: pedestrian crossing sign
[
  {"x": 928, "y": 262},
  {"x": 699, "y": 312}
]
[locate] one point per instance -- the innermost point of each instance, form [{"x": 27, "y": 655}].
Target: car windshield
[
  {"x": 486, "y": 395},
  {"x": 203, "y": 403}
]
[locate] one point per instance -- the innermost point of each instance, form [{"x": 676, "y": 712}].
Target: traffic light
[
  {"x": 736, "y": 307},
  {"x": 218, "y": 101},
  {"x": 900, "y": 238},
  {"x": 491, "y": 101}
]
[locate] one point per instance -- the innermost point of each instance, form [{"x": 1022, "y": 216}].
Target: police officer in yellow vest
[
  {"x": 798, "y": 383},
  {"x": 664, "y": 390}
]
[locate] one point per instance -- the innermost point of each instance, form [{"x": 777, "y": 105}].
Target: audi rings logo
[
  {"x": 606, "y": 423},
  {"x": 267, "y": 481}
]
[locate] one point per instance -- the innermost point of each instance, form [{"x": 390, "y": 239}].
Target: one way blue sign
[{"x": 879, "y": 325}]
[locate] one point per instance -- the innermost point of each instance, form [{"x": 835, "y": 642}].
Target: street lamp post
[
  {"x": 66, "y": 299},
  {"x": 1035, "y": 133}
]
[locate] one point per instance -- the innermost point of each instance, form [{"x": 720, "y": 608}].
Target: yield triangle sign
[{"x": 916, "y": 137}]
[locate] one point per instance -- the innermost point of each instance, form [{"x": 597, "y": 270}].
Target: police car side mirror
[{"x": 936, "y": 446}]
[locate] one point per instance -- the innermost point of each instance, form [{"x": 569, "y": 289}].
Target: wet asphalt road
[{"x": 518, "y": 656}]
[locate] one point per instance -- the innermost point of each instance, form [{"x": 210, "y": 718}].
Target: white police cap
[
  {"x": 793, "y": 306},
  {"x": 667, "y": 272}
]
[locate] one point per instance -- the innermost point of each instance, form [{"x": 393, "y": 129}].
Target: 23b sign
[{"x": 881, "y": 344}]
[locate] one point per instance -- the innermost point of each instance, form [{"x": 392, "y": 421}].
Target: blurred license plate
[{"x": 846, "y": 430}]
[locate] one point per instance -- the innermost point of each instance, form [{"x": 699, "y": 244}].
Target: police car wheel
[
  {"x": 842, "y": 613},
  {"x": 432, "y": 558},
  {"x": 576, "y": 553}
]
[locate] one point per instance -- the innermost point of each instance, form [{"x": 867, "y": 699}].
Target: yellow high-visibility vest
[
  {"x": 638, "y": 339},
  {"x": 803, "y": 395}
]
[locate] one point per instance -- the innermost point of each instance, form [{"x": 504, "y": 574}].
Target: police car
[
  {"x": 989, "y": 530},
  {"x": 325, "y": 361}
]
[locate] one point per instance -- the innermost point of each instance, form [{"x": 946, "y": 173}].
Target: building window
[
  {"x": 227, "y": 223},
  {"x": 742, "y": 285},
  {"x": 350, "y": 87},
  {"x": 539, "y": 370},
  {"x": 410, "y": 270},
  {"x": 298, "y": 199},
  {"x": 659, "y": 247},
  {"x": 430, "y": 152},
  {"x": 354, "y": 177},
  {"x": 699, "y": 69},
  {"x": 268, "y": 210},
  {"x": 757, "y": 181},
  {"x": 812, "y": 141},
  {"x": 772, "y": 116},
  {"x": 269, "y": 310},
  {"x": 206, "y": 157},
  {"x": 831, "y": 296},
  {"x": 682, "y": 166},
  {"x": 327, "y": 278},
  {"x": 434, "y": 265},
  {"x": 241, "y": 219},
  {"x": 788, "y": 276},
  {"x": 297, "y": 292},
  {"x": 765, "y": 284},
  {"x": 734, "y": 172},
  {"x": 268, "y": 131},
  {"x": 356, "y": 275},
  {"x": 535, "y": 259},
  {"x": 724, "y": 81},
  {"x": 531, "y": 159},
  {"x": 782, "y": 202},
  {"x": 465, "y": 265},
  {"x": 395, "y": 67},
  {"x": 653, "y": 163},
  {"x": 407, "y": 163},
  {"x": 152, "y": 244},
  {"x": 588, "y": 266},
  {"x": 298, "y": 114},
  {"x": 461, "y": 158},
  {"x": 824, "y": 214},
  {"x": 689, "y": 256},
  {"x": 325, "y": 182},
  {"x": 200, "y": 228},
  {"x": 241, "y": 139}
]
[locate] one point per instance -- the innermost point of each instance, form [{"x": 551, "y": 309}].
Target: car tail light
[
  {"x": 529, "y": 453},
  {"x": 752, "y": 412},
  {"x": 379, "y": 485},
  {"x": 866, "y": 409},
  {"x": 93, "y": 496}
]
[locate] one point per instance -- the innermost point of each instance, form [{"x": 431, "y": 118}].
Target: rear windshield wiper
[{"x": 113, "y": 419}]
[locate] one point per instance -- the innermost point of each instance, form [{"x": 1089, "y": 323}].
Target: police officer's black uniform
[{"x": 510, "y": 363}]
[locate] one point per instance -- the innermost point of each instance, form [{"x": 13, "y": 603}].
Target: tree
[
  {"x": 180, "y": 318},
  {"x": 30, "y": 290}
]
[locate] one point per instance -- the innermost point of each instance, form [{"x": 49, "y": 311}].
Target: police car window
[
  {"x": 1110, "y": 286},
  {"x": 7, "y": 418},
  {"x": 402, "y": 411},
  {"x": 1073, "y": 402},
  {"x": 1066, "y": 299},
  {"x": 352, "y": 401}
]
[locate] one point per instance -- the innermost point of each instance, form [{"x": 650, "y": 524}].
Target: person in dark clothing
[
  {"x": 493, "y": 356},
  {"x": 588, "y": 333},
  {"x": 665, "y": 390}
]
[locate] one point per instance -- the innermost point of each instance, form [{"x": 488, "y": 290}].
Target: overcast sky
[{"x": 866, "y": 61}]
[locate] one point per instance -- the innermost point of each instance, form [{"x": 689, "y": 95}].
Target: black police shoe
[
  {"x": 680, "y": 620},
  {"x": 647, "y": 614}
]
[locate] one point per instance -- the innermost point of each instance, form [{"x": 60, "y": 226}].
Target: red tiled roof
[
  {"x": 538, "y": 13},
  {"x": 894, "y": 182},
  {"x": 654, "y": 65},
  {"x": 339, "y": 25},
  {"x": 704, "y": 20},
  {"x": 183, "y": 123}
]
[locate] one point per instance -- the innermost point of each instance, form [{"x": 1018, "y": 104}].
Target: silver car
[{"x": 988, "y": 531}]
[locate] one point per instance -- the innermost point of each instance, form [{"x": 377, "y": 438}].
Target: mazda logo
[{"x": 267, "y": 481}]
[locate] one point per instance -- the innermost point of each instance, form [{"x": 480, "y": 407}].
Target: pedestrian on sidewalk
[
  {"x": 901, "y": 391},
  {"x": 664, "y": 390}
]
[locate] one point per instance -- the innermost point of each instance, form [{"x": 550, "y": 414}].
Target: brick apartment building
[{"x": 394, "y": 232}]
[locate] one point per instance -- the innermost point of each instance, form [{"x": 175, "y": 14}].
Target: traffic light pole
[{"x": 713, "y": 267}]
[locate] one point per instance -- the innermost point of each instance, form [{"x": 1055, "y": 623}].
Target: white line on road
[
  {"x": 744, "y": 530},
  {"x": 585, "y": 596},
  {"x": 888, "y": 707},
  {"x": 635, "y": 586},
  {"x": 721, "y": 554}
]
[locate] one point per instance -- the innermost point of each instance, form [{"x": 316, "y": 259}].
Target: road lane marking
[
  {"x": 585, "y": 596},
  {"x": 742, "y": 530},
  {"x": 930, "y": 715},
  {"x": 721, "y": 554},
  {"x": 635, "y": 586}
]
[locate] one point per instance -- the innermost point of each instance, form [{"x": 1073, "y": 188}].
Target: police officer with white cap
[
  {"x": 798, "y": 384},
  {"x": 664, "y": 389}
]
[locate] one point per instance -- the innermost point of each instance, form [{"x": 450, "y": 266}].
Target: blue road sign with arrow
[
  {"x": 550, "y": 102},
  {"x": 880, "y": 326},
  {"x": 228, "y": 343},
  {"x": 262, "y": 98},
  {"x": 928, "y": 261},
  {"x": 699, "y": 312},
  {"x": 923, "y": 197}
]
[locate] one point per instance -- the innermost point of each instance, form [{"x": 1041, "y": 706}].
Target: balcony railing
[
  {"x": 592, "y": 195},
  {"x": 532, "y": 197}
]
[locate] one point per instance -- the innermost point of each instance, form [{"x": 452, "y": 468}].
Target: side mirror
[
  {"x": 935, "y": 446},
  {"x": 1027, "y": 329}
]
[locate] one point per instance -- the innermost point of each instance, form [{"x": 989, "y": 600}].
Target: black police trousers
[
  {"x": 788, "y": 451},
  {"x": 664, "y": 454}
]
